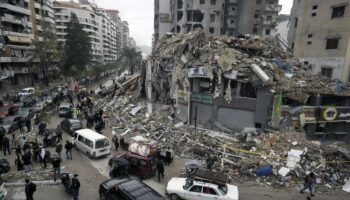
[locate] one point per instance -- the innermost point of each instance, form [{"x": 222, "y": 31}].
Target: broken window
[
  {"x": 338, "y": 11},
  {"x": 309, "y": 42},
  {"x": 267, "y": 32},
  {"x": 179, "y": 4},
  {"x": 314, "y": 7},
  {"x": 202, "y": 1},
  {"x": 233, "y": 85},
  {"x": 197, "y": 16},
  {"x": 179, "y": 15},
  {"x": 247, "y": 90},
  {"x": 258, "y": 1},
  {"x": 327, "y": 72},
  {"x": 211, "y": 30},
  {"x": 189, "y": 16},
  {"x": 212, "y": 17},
  {"x": 212, "y": 2},
  {"x": 204, "y": 85},
  {"x": 313, "y": 15},
  {"x": 256, "y": 15},
  {"x": 255, "y": 29},
  {"x": 332, "y": 43},
  {"x": 197, "y": 26},
  {"x": 178, "y": 29},
  {"x": 310, "y": 35}
]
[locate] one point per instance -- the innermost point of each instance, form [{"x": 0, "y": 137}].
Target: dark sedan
[
  {"x": 71, "y": 125},
  {"x": 11, "y": 123}
]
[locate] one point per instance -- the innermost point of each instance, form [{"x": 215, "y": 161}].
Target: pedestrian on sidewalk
[
  {"x": 56, "y": 165},
  {"x": 310, "y": 181},
  {"x": 116, "y": 142},
  {"x": 28, "y": 124},
  {"x": 160, "y": 169},
  {"x": 29, "y": 189},
  {"x": 6, "y": 146},
  {"x": 19, "y": 162},
  {"x": 210, "y": 163},
  {"x": 58, "y": 149},
  {"x": 168, "y": 156},
  {"x": 27, "y": 161},
  {"x": 58, "y": 131},
  {"x": 75, "y": 186},
  {"x": 42, "y": 157},
  {"x": 69, "y": 149}
]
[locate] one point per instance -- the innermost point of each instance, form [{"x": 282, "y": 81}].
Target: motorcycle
[{"x": 66, "y": 182}]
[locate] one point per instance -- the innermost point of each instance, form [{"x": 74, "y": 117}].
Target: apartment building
[
  {"x": 319, "y": 34},
  {"x": 229, "y": 17},
  {"x": 114, "y": 14},
  {"x": 20, "y": 25},
  {"x": 125, "y": 34}
]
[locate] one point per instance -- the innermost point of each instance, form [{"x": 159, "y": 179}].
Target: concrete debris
[
  {"x": 346, "y": 186},
  {"x": 284, "y": 171}
]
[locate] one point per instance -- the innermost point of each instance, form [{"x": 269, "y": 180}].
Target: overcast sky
[{"x": 139, "y": 14}]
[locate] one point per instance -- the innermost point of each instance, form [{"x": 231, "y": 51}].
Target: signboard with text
[
  {"x": 202, "y": 98},
  {"x": 335, "y": 114}
]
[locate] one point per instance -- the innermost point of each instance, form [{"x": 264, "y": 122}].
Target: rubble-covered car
[
  {"x": 128, "y": 189},
  {"x": 71, "y": 125},
  {"x": 11, "y": 123},
  {"x": 4, "y": 166}
]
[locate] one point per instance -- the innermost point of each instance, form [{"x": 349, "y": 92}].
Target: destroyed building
[{"x": 238, "y": 82}]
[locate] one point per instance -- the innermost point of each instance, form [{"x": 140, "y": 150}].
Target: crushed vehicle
[{"x": 204, "y": 185}]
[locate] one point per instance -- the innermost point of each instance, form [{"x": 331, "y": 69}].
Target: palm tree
[{"x": 129, "y": 58}]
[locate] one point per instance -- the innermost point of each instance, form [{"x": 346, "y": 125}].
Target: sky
[{"x": 140, "y": 14}]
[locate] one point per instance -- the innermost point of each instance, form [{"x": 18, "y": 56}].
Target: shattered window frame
[
  {"x": 327, "y": 72},
  {"x": 202, "y": 2},
  {"x": 332, "y": 43},
  {"x": 247, "y": 90},
  {"x": 338, "y": 12},
  {"x": 234, "y": 87}
]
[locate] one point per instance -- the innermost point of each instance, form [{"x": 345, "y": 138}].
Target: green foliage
[
  {"x": 77, "y": 49},
  {"x": 129, "y": 59}
]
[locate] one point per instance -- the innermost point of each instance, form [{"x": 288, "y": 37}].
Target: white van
[
  {"x": 93, "y": 144},
  {"x": 27, "y": 91}
]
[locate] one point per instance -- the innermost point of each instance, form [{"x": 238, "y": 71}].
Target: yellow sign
[{"x": 330, "y": 114}]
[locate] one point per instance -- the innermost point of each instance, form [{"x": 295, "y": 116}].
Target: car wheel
[
  {"x": 103, "y": 196},
  {"x": 174, "y": 197}
]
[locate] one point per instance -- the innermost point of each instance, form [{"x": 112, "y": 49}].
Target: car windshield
[
  {"x": 102, "y": 143},
  {"x": 223, "y": 189},
  {"x": 76, "y": 124},
  {"x": 188, "y": 184},
  {"x": 64, "y": 109},
  {"x": 24, "y": 91}
]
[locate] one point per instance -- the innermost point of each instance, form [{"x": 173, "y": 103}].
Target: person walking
[
  {"x": 28, "y": 124},
  {"x": 310, "y": 181},
  {"x": 58, "y": 131},
  {"x": 210, "y": 163},
  {"x": 69, "y": 148},
  {"x": 42, "y": 157},
  {"x": 168, "y": 156},
  {"x": 19, "y": 162},
  {"x": 75, "y": 186},
  {"x": 21, "y": 124},
  {"x": 160, "y": 169},
  {"x": 56, "y": 165},
  {"x": 6, "y": 146},
  {"x": 58, "y": 149},
  {"x": 29, "y": 189},
  {"x": 116, "y": 142},
  {"x": 27, "y": 161}
]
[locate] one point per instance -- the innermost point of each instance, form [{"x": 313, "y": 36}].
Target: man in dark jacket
[
  {"x": 56, "y": 165},
  {"x": 28, "y": 124},
  {"x": 160, "y": 169},
  {"x": 69, "y": 148},
  {"x": 58, "y": 131},
  {"x": 75, "y": 186},
  {"x": 6, "y": 146},
  {"x": 27, "y": 160},
  {"x": 310, "y": 181},
  {"x": 58, "y": 150},
  {"x": 29, "y": 189}
]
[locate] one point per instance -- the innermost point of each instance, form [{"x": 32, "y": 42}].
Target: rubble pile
[
  {"x": 34, "y": 175},
  {"x": 288, "y": 156},
  {"x": 247, "y": 58}
]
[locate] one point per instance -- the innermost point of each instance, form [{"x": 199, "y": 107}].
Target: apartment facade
[
  {"x": 125, "y": 34},
  {"x": 114, "y": 14},
  {"x": 131, "y": 43},
  {"x": 319, "y": 34},
  {"x": 220, "y": 17},
  {"x": 20, "y": 25}
]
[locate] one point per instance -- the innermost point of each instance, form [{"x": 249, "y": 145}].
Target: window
[
  {"x": 247, "y": 90},
  {"x": 233, "y": 8},
  {"x": 295, "y": 22},
  {"x": 88, "y": 143},
  {"x": 314, "y": 7},
  {"x": 212, "y": 2},
  {"x": 258, "y": 1},
  {"x": 309, "y": 43},
  {"x": 81, "y": 139},
  {"x": 102, "y": 143},
  {"x": 267, "y": 32},
  {"x": 255, "y": 30},
  {"x": 232, "y": 21},
  {"x": 327, "y": 72},
  {"x": 211, "y": 30},
  {"x": 313, "y": 14},
  {"x": 209, "y": 191},
  {"x": 212, "y": 17},
  {"x": 338, "y": 11},
  {"x": 269, "y": 17},
  {"x": 310, "y": 35},
  {"x": 256, "y": 16},
  {"x": 196, "y": 188},
  {"x": 202, "y": 2},
  {"x": 332, "y": 43}
]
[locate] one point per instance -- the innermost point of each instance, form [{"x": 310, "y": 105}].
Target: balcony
[
  {"x": 15, "y": 8},
  {"x": 18, "y": 34},
  {"x": 273, "y": 8}
]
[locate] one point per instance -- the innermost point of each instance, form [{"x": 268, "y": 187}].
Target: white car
[
  {"x": 27, "y": 92},
  {"x": 184, "y": 188}
]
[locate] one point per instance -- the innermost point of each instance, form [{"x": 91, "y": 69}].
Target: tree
[
  {"x": 45, "y": 51},
  {"x": 77, "y": 49},
  {"x": 129, "y": 58}
]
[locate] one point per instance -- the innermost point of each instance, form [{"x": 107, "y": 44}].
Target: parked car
[
  {"x": 3, "y": 191},
  {"x": 26, "y": 113},
  {"x": 65, "y": 110},
  {"x": 8, "y": 110},
  {"x": 27, "y": 91},
  {"x": 11, "y": 123},
  {"x": 140, "y": 166},
  {"x": 204, "y": 186},
  {"x": 127, "y": 189},
  {"x": 4, "y": 166},
  {"x": 71, "y": 125}
]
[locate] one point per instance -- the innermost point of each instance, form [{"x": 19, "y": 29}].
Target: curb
[{"x": 38, "y": 183}]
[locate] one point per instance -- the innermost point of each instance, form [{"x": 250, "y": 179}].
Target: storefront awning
[
  {"x": 19, "y": 39},
  {"x": 13, "y": 38}
]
